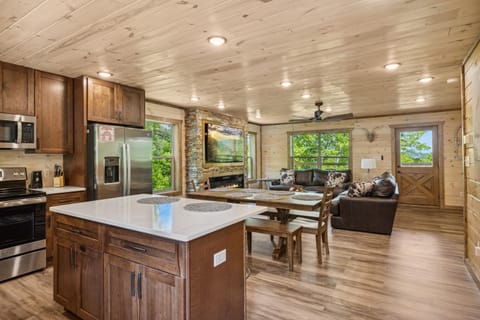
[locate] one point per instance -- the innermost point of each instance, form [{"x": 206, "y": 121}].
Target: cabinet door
[
  {"x": 54, "y": 110},
  {"x": 132, "y": 106},
  {"x": 17, "y": 89},
  {"x": 90, "y": 297},
  {"x": 162, "y": 295},
  {"x": 65, "y": 283},
  {"x": 57, "y": 200},
  {"x": 120, "y": 301},
  {"x": 101, "y": 101}
]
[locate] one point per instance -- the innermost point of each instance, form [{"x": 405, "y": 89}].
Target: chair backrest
[
  {"x": 325, "y": 207},
  {"x": 202, "y": 185}
]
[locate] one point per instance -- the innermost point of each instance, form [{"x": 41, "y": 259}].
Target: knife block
[{"x": 58, "y": 182}]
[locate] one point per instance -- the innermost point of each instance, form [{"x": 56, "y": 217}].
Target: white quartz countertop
[
  {"x": 170, "y": 220},
  {"x": 65, "y": 189}
]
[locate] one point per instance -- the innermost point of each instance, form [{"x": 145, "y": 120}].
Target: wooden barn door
[{"x": 417, "y": 165}]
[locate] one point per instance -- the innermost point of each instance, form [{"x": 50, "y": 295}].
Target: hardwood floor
[{"x": 416, "y": 273}]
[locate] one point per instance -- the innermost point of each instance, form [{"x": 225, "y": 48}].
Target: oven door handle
[{"x": 22, "y": 202}]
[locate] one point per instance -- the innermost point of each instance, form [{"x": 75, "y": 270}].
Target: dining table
[{"x": 282, "y": 201}]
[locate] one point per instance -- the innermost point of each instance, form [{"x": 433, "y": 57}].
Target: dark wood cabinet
[
  {"x": 54, "y": 111},
  {"x": 110, "y": 102},
  {"x": 57, "y": 200},
  {"x": 131, "y": 104},
  {"x": 78, "y": 267},
  {"x": 16, "y": 89}
]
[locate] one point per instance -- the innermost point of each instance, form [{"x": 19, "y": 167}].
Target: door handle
[
  {"x": 139, "y": 284},
  {"x": 132, "y": 284}
]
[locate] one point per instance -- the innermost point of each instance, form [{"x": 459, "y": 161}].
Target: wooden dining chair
[
  {"x": 320, "y": 227},
  {"x": 202, "y": 185}
]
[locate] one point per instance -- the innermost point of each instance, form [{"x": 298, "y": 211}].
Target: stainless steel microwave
[{"x": 17, "y": 131}]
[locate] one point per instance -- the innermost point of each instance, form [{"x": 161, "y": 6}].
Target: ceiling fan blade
[{"x": 339, "y": 117}]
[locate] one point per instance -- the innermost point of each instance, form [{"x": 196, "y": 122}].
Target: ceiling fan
[{"x": 318, "y": 115}]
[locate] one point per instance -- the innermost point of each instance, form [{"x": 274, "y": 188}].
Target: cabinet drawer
[
  {"x": 65, "y": 198},
  {"x": 83, "y": 231},
  {"x": 155, "y": 252}
]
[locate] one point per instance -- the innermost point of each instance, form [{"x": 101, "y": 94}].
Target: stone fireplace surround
[{"x": 195, "y": 167}]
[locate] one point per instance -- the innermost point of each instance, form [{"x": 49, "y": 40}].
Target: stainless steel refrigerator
[{"x": 119, "y": 161}]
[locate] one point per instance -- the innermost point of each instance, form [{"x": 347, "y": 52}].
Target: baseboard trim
[{"x": 472, "y": 273}]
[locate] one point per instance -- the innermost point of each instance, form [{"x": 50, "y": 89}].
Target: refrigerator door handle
[
  {"x": 129, "y": 170},
  {"x": 124, "y": 169}
]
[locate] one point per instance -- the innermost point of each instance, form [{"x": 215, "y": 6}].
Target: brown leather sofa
[
  {"x": 313, "y": 180},
  {"x": 374, "y": 214}
]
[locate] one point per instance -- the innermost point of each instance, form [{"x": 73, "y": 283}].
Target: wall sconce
[{"x": 368, "y": 164}]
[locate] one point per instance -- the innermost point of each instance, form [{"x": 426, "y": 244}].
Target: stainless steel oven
[
  {"x": 22, "y": 225},
  {"x": 17, "y": 131}
]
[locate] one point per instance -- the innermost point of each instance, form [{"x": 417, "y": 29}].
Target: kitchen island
[{"x": 151, "y": 257}]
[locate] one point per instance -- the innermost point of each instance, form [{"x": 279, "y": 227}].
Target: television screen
[{"x": 223, "y": 144}]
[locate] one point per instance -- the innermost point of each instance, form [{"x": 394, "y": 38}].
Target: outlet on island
[{"x": 219, "y": 257}]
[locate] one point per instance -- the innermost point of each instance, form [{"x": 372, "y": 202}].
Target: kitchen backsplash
[{"x": 33, "y": 162}]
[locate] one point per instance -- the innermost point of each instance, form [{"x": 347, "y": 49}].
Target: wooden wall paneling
[{"x": 471, "y": 104}]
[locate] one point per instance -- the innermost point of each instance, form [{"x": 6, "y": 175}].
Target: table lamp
[{"x": 368, "y": 164}]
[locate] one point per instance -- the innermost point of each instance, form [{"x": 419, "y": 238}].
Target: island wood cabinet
[
  {"x": 110, "y": 102},
  {"x": 78, "y": 266},
  {"x": 54, "y": 110},
  {"x": 16, "y": 89},
  {"x": 145, "y": 276},
  {"x": 58, "y": 199}
]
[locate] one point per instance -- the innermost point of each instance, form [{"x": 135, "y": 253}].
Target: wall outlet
[{"x": 219, "y": 257}]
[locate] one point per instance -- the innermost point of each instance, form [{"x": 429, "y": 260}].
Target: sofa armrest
[
  {"x": 369, "y": 214},
  {"x": 274, "y": 182}
]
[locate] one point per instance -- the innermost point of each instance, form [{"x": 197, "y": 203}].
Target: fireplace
[{"x": 233, "y": 180}]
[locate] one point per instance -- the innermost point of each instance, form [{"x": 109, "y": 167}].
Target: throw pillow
[
  {"x": 336, "y": 179},
  {"x": 384, "y": 185},
  {"x": 360, "y": 189},
  {"x": 287, "y": 177}
]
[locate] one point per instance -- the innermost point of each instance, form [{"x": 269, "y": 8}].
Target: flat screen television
[{"x": 223, "y": 144}]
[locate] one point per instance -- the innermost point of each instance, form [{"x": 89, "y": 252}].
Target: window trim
[
  {"x": 292, "y": 133},
  {"x": 254, "y": 157},
  {"x": 177, "y": 158}
]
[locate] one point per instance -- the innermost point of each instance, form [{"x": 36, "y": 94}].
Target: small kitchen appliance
[{"x": 36, "y": 180}]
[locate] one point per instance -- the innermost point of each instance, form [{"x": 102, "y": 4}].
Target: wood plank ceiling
[{"x": 334, "y": 50}]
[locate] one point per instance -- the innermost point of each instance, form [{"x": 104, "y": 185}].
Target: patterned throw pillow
[
  {"x": 360, "y": 189},
  {"x": 336, "y": 179},
  {"x": 287, "y": 177}
]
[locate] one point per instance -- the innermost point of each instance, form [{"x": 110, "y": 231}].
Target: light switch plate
[{"x": 219, "y": 257}]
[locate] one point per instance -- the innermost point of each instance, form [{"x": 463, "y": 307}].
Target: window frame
[
  {"x": 176, "y": 157},
  {"x": 252, "y": 158},
  {"x": 318, "y": 159}
]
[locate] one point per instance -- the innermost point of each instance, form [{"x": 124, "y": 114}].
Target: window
[
  {"x": 416, "y": 148},
  {"x": 327, "y": 150},
  {"x": 165, "y": 154},
  {"x": 251, "y": 155}
]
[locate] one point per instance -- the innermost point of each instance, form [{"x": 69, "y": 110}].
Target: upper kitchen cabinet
[
  {"x": 114, "y": 103},
  {"x": 131, "y": 102},
  {"x": 17, "y": 89},
  {"x": 54, "y": 109}
]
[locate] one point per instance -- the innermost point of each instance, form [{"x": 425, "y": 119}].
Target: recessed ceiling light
[
  {"x": 258, "y": 115},
  {"x": 194, "y": 98},
  {"x": 425, "y": 79},
  {"x": 452, "y": 80},
  {"x": 420, "y": 99},
  {"x": 285, "y": 83},
  {"x": 306, "y": 95},
  {"x": 392, "y": 66},
  {"x": 217, "y": 40},
  {"x": 104, "y": 74},
  {"x": 328, "y": 109},
  {"x": 221, "y": 105}
]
